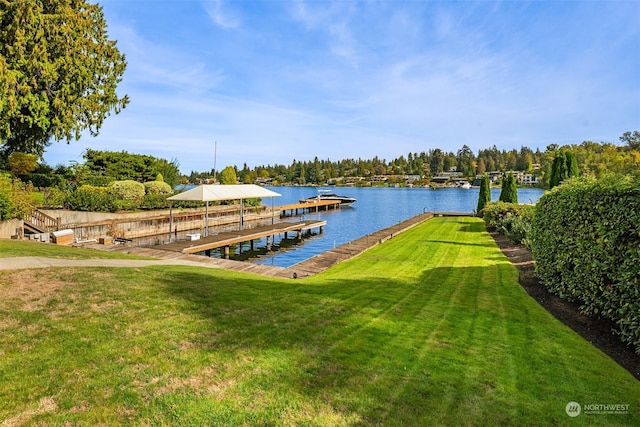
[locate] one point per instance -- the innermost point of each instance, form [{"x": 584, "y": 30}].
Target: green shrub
[
  {"x": 53, "y": 197},
  {"x": 17, "y": 200},
  {"x": 96, "y": 180},
  {"x": 157, "y": 187},
  {"x": 91, "y": 199},
  {"x": 44, "y": 180},
  {"x": 511, "y": 219},
  {"x": 252, "y": 202},
  {"x": 154, "y": 201},
  {"x": 127, "y": 190},
  {"x": 6, "y": 207},
  {"x": 586, "y": 243},
  {"x": 126, "y": 205}
]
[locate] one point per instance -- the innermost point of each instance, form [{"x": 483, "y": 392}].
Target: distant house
[
  {"x": 459, "y": 181},
  {"x": 444, "y": 177},
  {"x": 379, "y": 178},
  {"x": 529, "y": 179},
  {"x": 352, "y": 180},
  {"x": 264, "y": 181},
  {"x": 494, "y": 176}
]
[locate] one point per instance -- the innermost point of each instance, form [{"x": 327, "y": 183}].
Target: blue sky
[{"x": 274, "y": 81}]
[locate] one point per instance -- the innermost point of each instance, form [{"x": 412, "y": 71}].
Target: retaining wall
[{"x": 10, "y": 228}]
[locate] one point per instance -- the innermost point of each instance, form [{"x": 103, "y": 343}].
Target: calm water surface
[{"x": 376, "y": 208}]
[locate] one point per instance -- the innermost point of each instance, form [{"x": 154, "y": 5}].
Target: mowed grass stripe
[{"x": 429, "y": 328}]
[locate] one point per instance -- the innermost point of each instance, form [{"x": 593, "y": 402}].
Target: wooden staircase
[{"x": 40, "y": 222}]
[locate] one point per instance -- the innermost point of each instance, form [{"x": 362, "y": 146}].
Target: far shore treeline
[
  {"x": 594, "y": 159},
  {"x": 111, "y": 181},
  {"x": 101, "y": 167}
]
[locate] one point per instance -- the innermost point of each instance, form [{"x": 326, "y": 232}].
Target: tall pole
[
  {"x": 206, "y": 219},
  {"x": 215, "y": 160}
]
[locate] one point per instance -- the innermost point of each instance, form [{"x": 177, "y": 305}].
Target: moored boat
[{"x": 329, "y": 195}]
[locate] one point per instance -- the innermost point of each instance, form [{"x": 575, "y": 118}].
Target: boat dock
[
  {"x": 309, "y": 267},
  {"x": 307, "y": 207},
  {"x": 226, "y": 239}
]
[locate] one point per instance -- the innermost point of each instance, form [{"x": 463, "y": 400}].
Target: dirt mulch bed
[{"x": 597, "y": 331}]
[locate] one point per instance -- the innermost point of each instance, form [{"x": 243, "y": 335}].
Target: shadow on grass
[
  {"x": 388, "y": 351},
  {"x": 471, "y": 227},
  {"x": 452, "y": 242}
]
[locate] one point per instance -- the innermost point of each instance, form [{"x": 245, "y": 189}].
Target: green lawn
[
  {"x": 429, "y": 328},
  {"x": 21, "y": 248}
]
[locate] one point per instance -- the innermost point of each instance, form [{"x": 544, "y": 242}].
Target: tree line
[{"x": 590, "y": 158}]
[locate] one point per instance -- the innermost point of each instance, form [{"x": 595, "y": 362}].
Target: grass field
[
  {"x": 21, "y": 248},
  {"x": 429, "y": 328}
]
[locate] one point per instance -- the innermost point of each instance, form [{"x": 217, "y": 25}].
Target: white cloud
[
  {"x": 220, "y": 15},
  {"x": 154, "y": 63},
  {"x": 358, "y": 79}
]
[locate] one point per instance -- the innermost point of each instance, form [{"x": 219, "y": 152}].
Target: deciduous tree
[
  {"x": 632, "y": 139},
  {"x": 228, "y": 176},
  {"x": 21, "y": 163}
]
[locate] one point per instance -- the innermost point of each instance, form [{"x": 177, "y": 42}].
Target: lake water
[{"x": 376, "y": 208}]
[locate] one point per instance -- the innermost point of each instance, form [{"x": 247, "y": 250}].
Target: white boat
[
  {"x": 466, "y": 186},
  {"x": 329, "y": 195}
]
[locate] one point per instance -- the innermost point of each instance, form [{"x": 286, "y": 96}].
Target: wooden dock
[
  {"x": 307, "y": 207},
  {"x": 226, "y": 239},
  {"x": 305, "y": 268}
]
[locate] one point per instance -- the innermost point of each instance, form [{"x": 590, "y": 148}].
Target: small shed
[{"x": 216, "y": 192}]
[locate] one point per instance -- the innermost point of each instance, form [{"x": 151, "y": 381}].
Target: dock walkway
[
  {"x": 307, "y": 207},
  {"x": 309, "y": 267},
  {"x": 229, "y": 238}
]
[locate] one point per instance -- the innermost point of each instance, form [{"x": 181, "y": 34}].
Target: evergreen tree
[
  {"x": 58, "y": 73},
  {"x": 558, "y": 169},
  {"x": 572, "y": 164},
  {"x": 509, "y": 192},
  {"x": 565, "y": 165},
  {"x": 485, "y": 192}
]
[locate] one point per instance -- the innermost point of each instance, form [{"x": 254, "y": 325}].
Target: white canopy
[{"x": 213, "y": 192}]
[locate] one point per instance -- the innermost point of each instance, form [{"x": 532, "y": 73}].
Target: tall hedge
[
  {"x": 91, "y": 199},
  {"x": 586, "y": 244}
]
